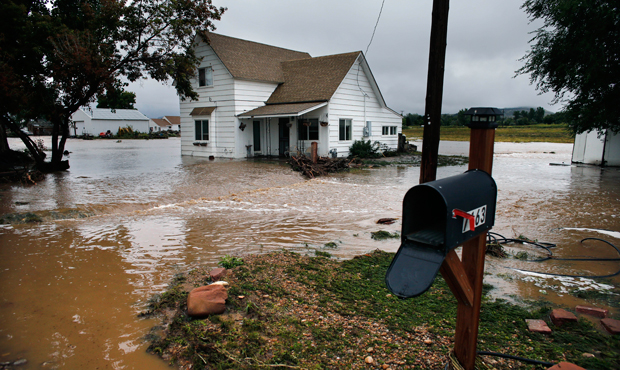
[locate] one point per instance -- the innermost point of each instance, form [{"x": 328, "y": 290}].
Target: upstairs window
[
  {"x": 310, "y": 132},
  {"x": 205, "y": 76},
  {"x": 202, "y": 129},
  {"x": 344, "y": 129}
]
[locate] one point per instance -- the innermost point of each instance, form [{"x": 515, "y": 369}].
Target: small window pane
[
  {"x": 344, "y": 129},
  {"x": 392, "y": 130},
  {"x": 384, "y": 130},
  {"x": 205, "y": 130},
  {"x": 205, "y": 76},
  {"x": 201, "y": 77},
  {"x": 313, "y": 130},
  {"x": 202, "y": 129},
  {"x": 198, "y": 130}
]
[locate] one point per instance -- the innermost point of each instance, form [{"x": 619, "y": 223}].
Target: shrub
[{"x": 365, "y": 149}]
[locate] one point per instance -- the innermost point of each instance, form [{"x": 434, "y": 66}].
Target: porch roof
[{"x": 282, "y": 110}]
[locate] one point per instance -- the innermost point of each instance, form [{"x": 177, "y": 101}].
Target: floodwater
[{"x": 71, "y": 289}]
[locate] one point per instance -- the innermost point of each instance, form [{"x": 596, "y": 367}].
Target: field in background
[{"x": 533, "y": 133}]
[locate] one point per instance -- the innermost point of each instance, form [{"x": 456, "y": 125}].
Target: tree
[
  {"x": 57, "y": 56},
  {"x": 576, "y": 55},
  {"x": 117, "y": 98}
]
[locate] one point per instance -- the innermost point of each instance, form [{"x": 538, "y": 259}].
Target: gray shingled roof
[
  {"x": 251, "y": 60},
  {"x": 124, "y": 114},
  {"x": 312, "y": 80}
]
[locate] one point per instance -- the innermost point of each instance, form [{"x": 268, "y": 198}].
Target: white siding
[
  {"x": 230, "y": 97},
  {"x": 221, "y": 141},
  {"x": 250, "y": 95},
  {"x": 356, "y": 99}
]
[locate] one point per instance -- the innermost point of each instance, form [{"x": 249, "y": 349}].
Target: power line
[{"x": 375, "y": 29}]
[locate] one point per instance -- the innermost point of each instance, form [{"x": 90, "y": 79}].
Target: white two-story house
[{"x": 257, "y": 99}]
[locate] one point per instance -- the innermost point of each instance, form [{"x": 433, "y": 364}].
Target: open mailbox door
[{"x": 439, "y": 216}]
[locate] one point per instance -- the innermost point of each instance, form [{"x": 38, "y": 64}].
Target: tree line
[{"x": 518, "y": 118}]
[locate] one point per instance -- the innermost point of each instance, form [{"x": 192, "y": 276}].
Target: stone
[
  {"x": 20, "y": 362},
  {"x": 588, "y": 355},
  {"x": 565, "y": 366},
  {"x": 221, "y": 282},
  {"x": 611, "y": 325},
  {"x": 369, "y": 360},
  {"x": 537, "y": 326},
  {"x": 559, "y": 316},
  {"x": 593, "y": 311},
  {"x": 217, "y": 274},
  {"x": 207, "y": 300}
]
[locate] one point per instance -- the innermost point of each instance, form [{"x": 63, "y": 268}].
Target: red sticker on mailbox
[{"x": 480, "y": 216}]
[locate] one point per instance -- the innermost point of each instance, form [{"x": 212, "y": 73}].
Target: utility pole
[{"x": 434, "y": 90}]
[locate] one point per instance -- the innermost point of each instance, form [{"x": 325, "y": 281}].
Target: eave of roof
[{"x": 282, "y": 110}]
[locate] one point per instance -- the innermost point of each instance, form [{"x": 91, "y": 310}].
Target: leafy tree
[
  {"x": 576, "y": 55},
  {"x": 58, "y": 55},
  {"x": 117, "y": 98}
]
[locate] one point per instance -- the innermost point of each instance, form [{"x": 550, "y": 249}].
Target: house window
[
  {"x": 205, "y": 76},
  {"x": 310, "y": 132},
  {"x": 202, "y": 129},
  {"x": 345, "y": 130},
  {"x": 388, "y": 130}
]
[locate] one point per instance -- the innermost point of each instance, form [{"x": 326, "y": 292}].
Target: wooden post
[
  {"x": 468, "y": 316},
  {"x": 314, "y": 151},
  {"x": 434, "y": 91}
]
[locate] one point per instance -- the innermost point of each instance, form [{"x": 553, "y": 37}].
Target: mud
[{"x": 71, "y": 287}]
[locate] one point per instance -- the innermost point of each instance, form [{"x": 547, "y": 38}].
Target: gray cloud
[{"x": 486, "y": 39}]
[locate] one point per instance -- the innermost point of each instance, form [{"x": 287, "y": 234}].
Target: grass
[
  {"x": 557, "y": 133},
  {"x": 285, "y": 310}
]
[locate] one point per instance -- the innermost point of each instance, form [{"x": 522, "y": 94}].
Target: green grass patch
[
  {"x": 335, "y": 313},
  {"x": 382, "y": 235},
  {"x": 557, "y": 133}
]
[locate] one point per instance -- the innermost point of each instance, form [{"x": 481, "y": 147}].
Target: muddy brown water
[{"x": 71, "y": 289}]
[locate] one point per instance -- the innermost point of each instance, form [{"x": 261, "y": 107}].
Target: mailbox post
[
  {"x": 483, "y": 122},
  {"x": 438, "y": 216}
]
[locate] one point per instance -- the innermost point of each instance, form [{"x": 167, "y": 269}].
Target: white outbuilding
[
  {"x": 93, "y": 121},
  {"x": 596, "y": 147}
]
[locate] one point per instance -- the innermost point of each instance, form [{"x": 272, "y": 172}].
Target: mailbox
[{"x": 439, "y": 216}]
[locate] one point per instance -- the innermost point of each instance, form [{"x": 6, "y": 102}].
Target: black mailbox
[{"x": 437, "y": 217}]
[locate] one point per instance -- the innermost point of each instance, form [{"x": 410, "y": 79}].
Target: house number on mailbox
[{"x": 480, "y": 215}]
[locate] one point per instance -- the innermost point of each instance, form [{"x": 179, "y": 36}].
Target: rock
[
  {"x": 207, "y": 300},
  {"x": 370, "y": 349},
  {"x": 369, "y": 360},
  {"x": 20, "y": 362},
  {"x": 385, "y": 367},
  {"x": 611, "y": 325},
  {"x": 537, "y": 326},
  {"x": 587, "y": 355},
  {"x": 428, "y": 342},
  {"x": 566, "y": 366},
  {"x": 221, "y": 282},
  {"x": 559, "y": 316},
  {"x": 218, "y": 273},
  {"x": 593, "y": 311}
]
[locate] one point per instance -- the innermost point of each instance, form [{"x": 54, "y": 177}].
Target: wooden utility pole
[{"x": 434, "y": 90}]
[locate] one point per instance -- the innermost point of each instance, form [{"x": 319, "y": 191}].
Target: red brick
[
  {"x": 612, "y": 326},
  {"x": 218, "y": 273},
  {"x": 559, "y": 316},
  {"x": 566, "y": 366},
  {"x": 593, "y": 311},
  {"x": 537, "y": 326}
]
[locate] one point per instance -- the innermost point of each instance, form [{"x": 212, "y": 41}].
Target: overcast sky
[{"x": 486, "y": 39}]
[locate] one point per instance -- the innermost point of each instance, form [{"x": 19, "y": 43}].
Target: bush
[{"x": 364, "y": 149}]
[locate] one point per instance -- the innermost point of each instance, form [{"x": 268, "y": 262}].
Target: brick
[
  {"x": 559, "y": 316},
  {"x": 218, "y": 273},
  {"x": 593, "y": 311},
  {"x": 538, "y": 326},
  {"x": 612, "y": 326},
  {"x": 566, "y": 366}
]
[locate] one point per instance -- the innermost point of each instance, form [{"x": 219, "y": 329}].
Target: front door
[{"x": 284, "y": 137}]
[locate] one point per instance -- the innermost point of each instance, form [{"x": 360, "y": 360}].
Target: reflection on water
[{"x": 71, "y": 289}]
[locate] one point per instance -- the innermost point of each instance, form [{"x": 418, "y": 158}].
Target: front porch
[{"x": 284, "y": 130}]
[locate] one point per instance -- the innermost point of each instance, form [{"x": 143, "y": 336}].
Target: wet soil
[{"x": 72, "y": 287}]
